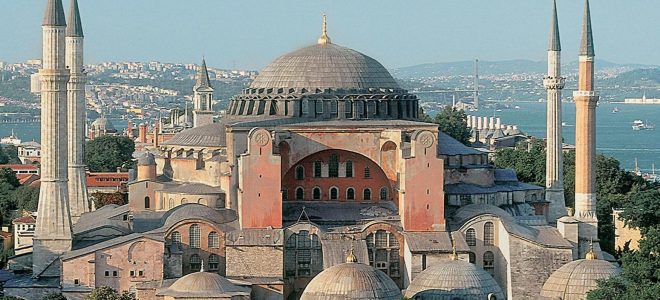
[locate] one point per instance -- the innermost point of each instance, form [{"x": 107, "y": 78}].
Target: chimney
[
  {"x": 142, "y": 133},
  {"x": 479, "y": 123},
  {"x": 498, "y": 123}
]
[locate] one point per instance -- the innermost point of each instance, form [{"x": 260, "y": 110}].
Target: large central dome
[
  {"x": 325, "y": 81},
  {"x": 324, "y": 66}
]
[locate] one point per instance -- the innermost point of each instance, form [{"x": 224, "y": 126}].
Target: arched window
[
  {"x": 214, "y": 262},
  {"x": 489, "y": 262},
  {"x": 300, "y": 173},
  {"x": 195, "y": 263},
  {"x": 383, "y": 193},
  {"x": 471, "y": 237},
  {"x": 472, "y": 257},
  {"x": 194, "y": 236},
  {"x": 366, "y": 194},
  {"x": 171, "y": 203},
  {"x": 350, "y": 194},
  {"x": 304, "y": 255},
  {"x": 316, "y": 193},
  {"x": 488, "y": 234},
  {"x": 317, "y": 168},
  {"x": 300, "y": 193},
  {"x": 334, "y": 193},
  {"x": 147, "y": 202},
  {"x": 176, "y": 240},
  {"x": 383, "y": 250},
  {"x": 333, "y": 170},
  {"x": 367, "y": 172},
  {"x": 214, "y": 240},
  {"x": 349, "y": 168}
]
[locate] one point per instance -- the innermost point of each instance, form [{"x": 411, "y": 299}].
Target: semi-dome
[
  {"x": 325, "y": 81},
  {"x": 351, "y": 280},
  {"x": 575, "y": 279},
  {"x": 204, "y": 285},
  {"x": 104, "y": 125},
  {"x": 454, "y": 279},
  {"x": 211, "y": 135}
]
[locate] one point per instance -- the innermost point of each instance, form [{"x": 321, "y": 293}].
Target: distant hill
[
  {"x": 648, "y": 77},
  {"x": 518, "y": 66}
]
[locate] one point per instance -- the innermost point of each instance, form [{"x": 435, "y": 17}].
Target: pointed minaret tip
[
  {"x": 74, "y": 29},
  {"x": 203, "y": 79},
  {"x": 554, "y": 44},
  {"x": 54, "y": 15},
  {"x": 324, "y": 39},
  {"x": 587, "y": 43}
]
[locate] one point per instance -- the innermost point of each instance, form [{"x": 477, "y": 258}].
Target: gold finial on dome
[
  {"x": 324, "y": 39},
  {"x": 351, "y": 256},
  {"x": 591, "y": 255}
]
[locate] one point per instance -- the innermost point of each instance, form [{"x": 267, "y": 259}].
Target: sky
[{"x": 248, "y": 34}]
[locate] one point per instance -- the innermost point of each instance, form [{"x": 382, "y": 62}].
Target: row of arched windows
[
  {"x": 333, "y": 193},
  {"x": 489, "y": 235},
  {"x": 195, "y": 263},
  {"x": 194, "y": 238},
  {"x": 333, "y": 170}
]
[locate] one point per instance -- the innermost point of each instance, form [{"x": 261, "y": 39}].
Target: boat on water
[
  {"x": 641, "y": 125},
  {"x": 11, "y": 140},
  {"x": 615, "y": 110}
]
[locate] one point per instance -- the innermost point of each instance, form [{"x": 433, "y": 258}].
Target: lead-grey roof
[
  {"x": 349, "y": 281},
  {"x": 203, "y": 80},
  {"x": 74, "y": 28},
  {"x": 109, "y": 243},
  {"x": 339, "y": 213},
  {"x": 575, "y": 279},
  {"x": 204, "y": 285},
  {"x": 335, "y": 251},
  {"x": 198, "y": 211},
  {"x": 554, "y": 44},
  {"x": 587, "y": 41},
  {"x": 54, "y": 15},
  {"x": 325, "y": 66},
  {"x": 437, "y": 241},
  {"x": 211, "y": 135},
  {"x": 192, "y": 189},
  {"x": 447, "y": 145}
]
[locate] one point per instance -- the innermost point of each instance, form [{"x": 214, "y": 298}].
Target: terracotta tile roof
[
  {"x": 19, "y": 167},
  {"x": 110, "y": 179},
  {"x": 27, "y": 179},
  {"x": 26, "y": 219}
]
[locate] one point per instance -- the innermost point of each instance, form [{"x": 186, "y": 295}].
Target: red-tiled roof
[
  {"x": 27, "y": 179},
  {"x": 106, "y": 179},
  {"x": 26, "y": 219},
  {"x": 19, "y": 167}
]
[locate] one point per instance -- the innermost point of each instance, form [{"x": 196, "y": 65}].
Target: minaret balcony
[
  {"x": 554, "y": 83},
  {"x": 585, "y": 94}
]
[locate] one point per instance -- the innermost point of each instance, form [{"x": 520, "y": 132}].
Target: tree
[
  {"x": 103, "y": 199},
  {"x": 8, "y": 176},
  {"x": 642, "y": 209},
  {"x": 53, "y": 296},
  {"x": 454, "y": 123},
  {"x": 108, "y": 293},
  {"x": 4, "y": 158},
  {"x": 528, "y": 159},
  {"x": 26, "y": 198},
  {"x": 107, "y": 153},
  {"x": 640, "y": 277}
]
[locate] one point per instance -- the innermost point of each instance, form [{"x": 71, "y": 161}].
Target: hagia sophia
[{"x": 319, "y": 183}]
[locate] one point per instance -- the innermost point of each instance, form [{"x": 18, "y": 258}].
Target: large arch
[{"x": 334, "y": 174}]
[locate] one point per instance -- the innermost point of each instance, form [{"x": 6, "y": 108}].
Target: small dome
[
  {"x": 103, "y": 124},
  {"x": 204, "y": 285},
  {"x": 147, "y": 159},
  {"x": 575, "y": 279},
  {"x": 351, "y": 281},
  {"x": 454, "y": 279},
  {"x": 195, "y": 211},
  {"x": 324, "y": 66}
]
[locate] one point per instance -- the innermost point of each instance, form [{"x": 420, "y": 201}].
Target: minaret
[
  {"x": 554, "y": 83},
  {"x": 53, "y": 231},
  {"x": 202, "y": 97},
  {"x": 78, "y": 198},
  {"x": 585, "y": 138}
]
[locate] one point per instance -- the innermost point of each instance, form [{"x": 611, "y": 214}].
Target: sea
[{"x": 614, "y": 136}]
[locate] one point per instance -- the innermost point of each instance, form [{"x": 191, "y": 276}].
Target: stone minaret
[
  {"x": 78, "y": 198},
  {"x": 53, "y": 231},
  {"x": 585, "y": 138},
  {"x": 202, "y": 97},
  {"x": 553, "y": 84}
]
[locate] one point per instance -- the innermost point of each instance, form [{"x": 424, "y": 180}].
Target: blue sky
[{"x": 251, "y": 33}]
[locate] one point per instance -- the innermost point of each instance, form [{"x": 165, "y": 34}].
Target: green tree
[
  {"x": 107, "y": 153},
  {"x": 528, "y": 159},
  {"x": 642, "y": 209},
  {"x": 103, "y": 293},
  {"x": 4, "y": 158},
  {"x": 53, "y": 296},
  {"x": 640, "y": 276},
  {"x": 26, "y": 197},
  {"x": 8, "y": 176},
  {"x": 454, "y": 123}
]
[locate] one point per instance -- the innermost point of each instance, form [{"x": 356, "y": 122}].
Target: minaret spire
[
  {"x": 53, "y": 232},
  {"x": 324, "y": 39},
  {"x": 202, "y": 98},
  {"x": 554, "y": 44},
  {"x": 78, "y": 197},
  {"x": 554, "y": 83},
  {"x": 203, "y": 79},
  {"x": 587, "y": 42}
]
